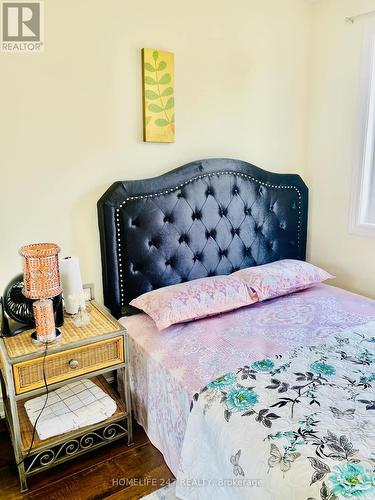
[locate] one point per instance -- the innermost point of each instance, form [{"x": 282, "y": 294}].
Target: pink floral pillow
[
  {"x": 194, "y": 299},
  {"x": 281, "y": 277}
]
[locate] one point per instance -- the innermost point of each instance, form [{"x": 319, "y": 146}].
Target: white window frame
[{"x": 364, "y": 160}]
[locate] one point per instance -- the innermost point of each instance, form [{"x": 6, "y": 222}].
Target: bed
[{"x": 214, "y": 217}]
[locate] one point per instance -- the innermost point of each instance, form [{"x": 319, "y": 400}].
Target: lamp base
[{"x": 35, "y": 340}]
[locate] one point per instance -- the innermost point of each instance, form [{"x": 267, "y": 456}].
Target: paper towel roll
[{"x": 71, "y": 283}]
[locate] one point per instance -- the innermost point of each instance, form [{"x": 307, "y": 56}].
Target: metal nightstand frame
[{"x": 66, "y": 446}]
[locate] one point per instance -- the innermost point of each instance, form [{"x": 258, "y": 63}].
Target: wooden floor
[{"x": 114, "y": 472}]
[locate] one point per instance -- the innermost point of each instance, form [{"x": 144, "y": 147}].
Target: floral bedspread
[
  {"x": 167, "y": 368},
  {"x": 299, "y": 425}
]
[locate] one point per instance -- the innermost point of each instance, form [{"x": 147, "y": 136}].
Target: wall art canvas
[{"x": 158, "y": 96}]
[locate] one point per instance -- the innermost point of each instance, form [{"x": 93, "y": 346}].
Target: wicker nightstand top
[{"x": 101, "y": 323}]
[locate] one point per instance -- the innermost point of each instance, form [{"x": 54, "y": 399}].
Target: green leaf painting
[
  {"x": 158, "y": 95},
  {"x": 154, "y": 108},
  {"x": 149, "y": 67},
  {"x": 170, "y": 103},
  {"x": 150, "y": 81},
  {"x": 165, "y": 79},
  {"x": 161, "y": 122},
  {"x": 151, "y": 95},
  {"x": 167, "y": 91}
]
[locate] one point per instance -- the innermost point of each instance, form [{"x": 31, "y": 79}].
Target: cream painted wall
[
  {"x": 71, "y": 116},
  {"x": 332, "y": 133}
]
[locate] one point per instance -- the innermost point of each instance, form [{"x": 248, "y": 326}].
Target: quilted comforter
[{"x": 298, "y": 425}]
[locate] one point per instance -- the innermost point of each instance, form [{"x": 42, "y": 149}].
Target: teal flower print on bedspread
[
  {"x": 304, "y": 416},
  {"x": 369, "y": 378},
  {"x": 322, "y": 368},
  {"x": 239, "y": 399},
  {"x": 224, "y": 381},
  {"x": 264, "y": 365},
  {"x": 352, "y": 480}
]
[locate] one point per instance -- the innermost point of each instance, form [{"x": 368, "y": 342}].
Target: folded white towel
[{"x": 73, "y": 406}]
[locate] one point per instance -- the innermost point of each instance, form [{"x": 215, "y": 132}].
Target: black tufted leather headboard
[{"x": 205, "y": 218}]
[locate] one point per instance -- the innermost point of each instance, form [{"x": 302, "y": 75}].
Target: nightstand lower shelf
[
  {"x": 47, "y": 453},
  {"x": 27, "y": 428}
]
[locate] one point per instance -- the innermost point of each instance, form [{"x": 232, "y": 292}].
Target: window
[{"x": 363, "y": 199}]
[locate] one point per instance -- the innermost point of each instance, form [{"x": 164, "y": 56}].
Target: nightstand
[{"x": 87, "y": 352}]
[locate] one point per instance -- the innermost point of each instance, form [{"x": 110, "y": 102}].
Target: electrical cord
[
  {"x": 41, "y": 411},
  {"x": 45, "y": 402}
]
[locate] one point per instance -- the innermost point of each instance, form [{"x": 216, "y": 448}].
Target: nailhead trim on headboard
[{"x": 171, "y": 190}]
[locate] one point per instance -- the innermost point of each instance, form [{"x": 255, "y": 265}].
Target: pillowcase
[
  {"x": 194, "y": 299},
  {"x": 281, "y": 277}
]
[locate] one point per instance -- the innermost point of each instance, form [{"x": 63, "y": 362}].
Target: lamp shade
[{"x": 41, "y": 270}]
